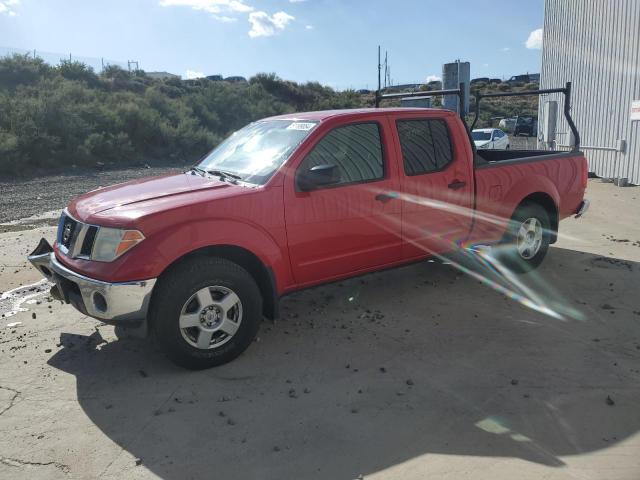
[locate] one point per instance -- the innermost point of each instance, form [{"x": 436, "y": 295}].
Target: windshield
[
  {"x": 255, "y": 152},
  {"x": 476, "y": 135}
]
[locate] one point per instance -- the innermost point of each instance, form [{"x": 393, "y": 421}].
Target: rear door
[
  {"x": 353, "y": 225},
  {"x": 436, "y": 176}
]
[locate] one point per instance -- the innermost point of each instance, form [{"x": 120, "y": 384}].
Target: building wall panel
[{"x": 595, "y": 44}]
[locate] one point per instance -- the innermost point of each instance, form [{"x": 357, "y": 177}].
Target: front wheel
[
  {"x": 206, "y": 312},
  {"x": 527, "y": 240}
]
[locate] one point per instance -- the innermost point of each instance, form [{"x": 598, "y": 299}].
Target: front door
[{"x": 354, "y": 224}]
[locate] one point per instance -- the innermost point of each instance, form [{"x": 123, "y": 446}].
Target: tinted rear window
[{"x": 426, "y": 146}]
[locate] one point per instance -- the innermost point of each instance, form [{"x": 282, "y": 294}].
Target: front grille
[
  {"x": 68, "y": 231},
  {"x": 89, "y": 238},
  {"x": 77, "y": 238}
]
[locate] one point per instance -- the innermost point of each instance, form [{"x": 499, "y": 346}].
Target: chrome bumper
[
  {"x": 582, "y": 208},
  {"x": 110, "y": 302}
]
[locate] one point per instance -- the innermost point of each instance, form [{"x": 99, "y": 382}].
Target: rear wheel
[
  {"x": 527, "y": 240},
  {"x": 206, "y": 312}
]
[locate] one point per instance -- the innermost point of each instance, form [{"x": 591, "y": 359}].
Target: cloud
[
  {"x": 434, "y": 78},
  {"x": 534, "y": 42},
  {"x": 263, "y": 25},
  {"x": 193, "y": 74},
  {"x": 6, "y": 7},
  {"x": 297, "y": 1},
  {"x": 309, "y": 27},
  {"x": 217, "y": 8},
  {"x": 505, "y": 49}
]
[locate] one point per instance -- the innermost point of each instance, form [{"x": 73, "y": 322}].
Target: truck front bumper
[{"x": 116, "y": 303}]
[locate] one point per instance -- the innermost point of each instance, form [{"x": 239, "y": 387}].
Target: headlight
[{"x": 110, "y": 243}]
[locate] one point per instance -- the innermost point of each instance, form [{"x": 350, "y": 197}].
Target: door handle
[
  {"x": 456, "y": 184},
  {"x": 385, "y": 197}
]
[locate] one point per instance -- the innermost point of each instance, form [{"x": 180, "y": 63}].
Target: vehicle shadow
[{"x": 365, "y": 374}]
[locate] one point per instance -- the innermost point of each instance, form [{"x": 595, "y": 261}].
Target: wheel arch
[
  {"x": 545, "y": 201},
  {"x": 263, "y": 275}
]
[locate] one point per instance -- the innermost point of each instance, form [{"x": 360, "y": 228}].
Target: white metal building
[{"x": 595, "y": 44}]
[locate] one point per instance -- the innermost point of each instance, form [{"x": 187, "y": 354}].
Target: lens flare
[{"x": 481, "y": 261}]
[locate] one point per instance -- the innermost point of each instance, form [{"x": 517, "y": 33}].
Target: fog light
[{"x": 99, "y": 302}]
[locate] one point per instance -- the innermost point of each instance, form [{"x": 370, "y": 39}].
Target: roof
[{"x": 322, "y": 115}]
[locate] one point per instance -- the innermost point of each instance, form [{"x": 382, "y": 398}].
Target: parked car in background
[
  {"x": 490, "y": 138},
  {"x": 526, "y": 126},
  {"x": 507, "y": 124}
]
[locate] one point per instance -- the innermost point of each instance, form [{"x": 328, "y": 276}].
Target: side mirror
[{"x": 318, "y": 176}]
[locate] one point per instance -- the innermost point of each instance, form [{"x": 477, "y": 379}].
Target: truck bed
[
  {"x": 502, "y": 175},
  {"x": 492, "y": 157}
]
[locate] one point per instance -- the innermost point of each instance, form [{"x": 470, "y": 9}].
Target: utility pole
[
  {"x": 132, "y": 62},
  {"x": 378, "y": 90},
  {"x": 386, "y": 68}
]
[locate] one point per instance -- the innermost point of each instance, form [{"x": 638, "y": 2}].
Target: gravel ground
[
  {"x": 523, "y": 143},
  {"x": 23, "y": 198}
]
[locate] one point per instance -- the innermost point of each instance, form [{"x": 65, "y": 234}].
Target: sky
[{"x": 330, "y": 41}]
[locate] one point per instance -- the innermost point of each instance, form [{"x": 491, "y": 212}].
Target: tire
[
  {"x": 522, "y": 252},
  {"x": 202, "y": 296}
]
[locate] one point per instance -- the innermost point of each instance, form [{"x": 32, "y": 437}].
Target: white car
[{"x": 490, "y": 138}]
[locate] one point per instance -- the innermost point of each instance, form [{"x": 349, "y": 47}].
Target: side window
[
  {"x": 426, "y": 146},
  {"x": 355, "y": 149}
]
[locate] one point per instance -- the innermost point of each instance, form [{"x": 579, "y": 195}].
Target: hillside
[{"x": 55, "y": 117}]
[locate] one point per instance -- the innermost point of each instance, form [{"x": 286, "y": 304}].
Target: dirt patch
[{"x": 22, "y": 198}]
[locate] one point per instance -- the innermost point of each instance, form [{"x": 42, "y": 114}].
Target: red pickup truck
[{"x": 294, "y": 201}]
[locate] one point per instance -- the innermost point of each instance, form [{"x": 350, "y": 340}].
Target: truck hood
[{"x": 142, "y": 190}]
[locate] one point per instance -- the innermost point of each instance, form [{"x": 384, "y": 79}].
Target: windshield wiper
[
  {"x": 199, "y": 170},
  {"x": 225, "y": 175}
]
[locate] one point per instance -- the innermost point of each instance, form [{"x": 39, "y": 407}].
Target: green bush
[{"x": 53, "y": 117}]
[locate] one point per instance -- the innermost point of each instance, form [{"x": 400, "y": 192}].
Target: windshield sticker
[{"x": 301, "y": 126}]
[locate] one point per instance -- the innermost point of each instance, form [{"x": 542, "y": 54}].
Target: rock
[
  {"x": 143, "y": 374},
  {"x": 514, "y": 381},
  {"x": 383, "y": 370},
  {"x": 409, "y": 382},
  {"x": 610, "y": 401},
  {"x": 292, "y": 393},
  {"x": 48, "y": 350},
  {"x": 33, "y": 315},
  {"x": 138, "y": 462}
]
